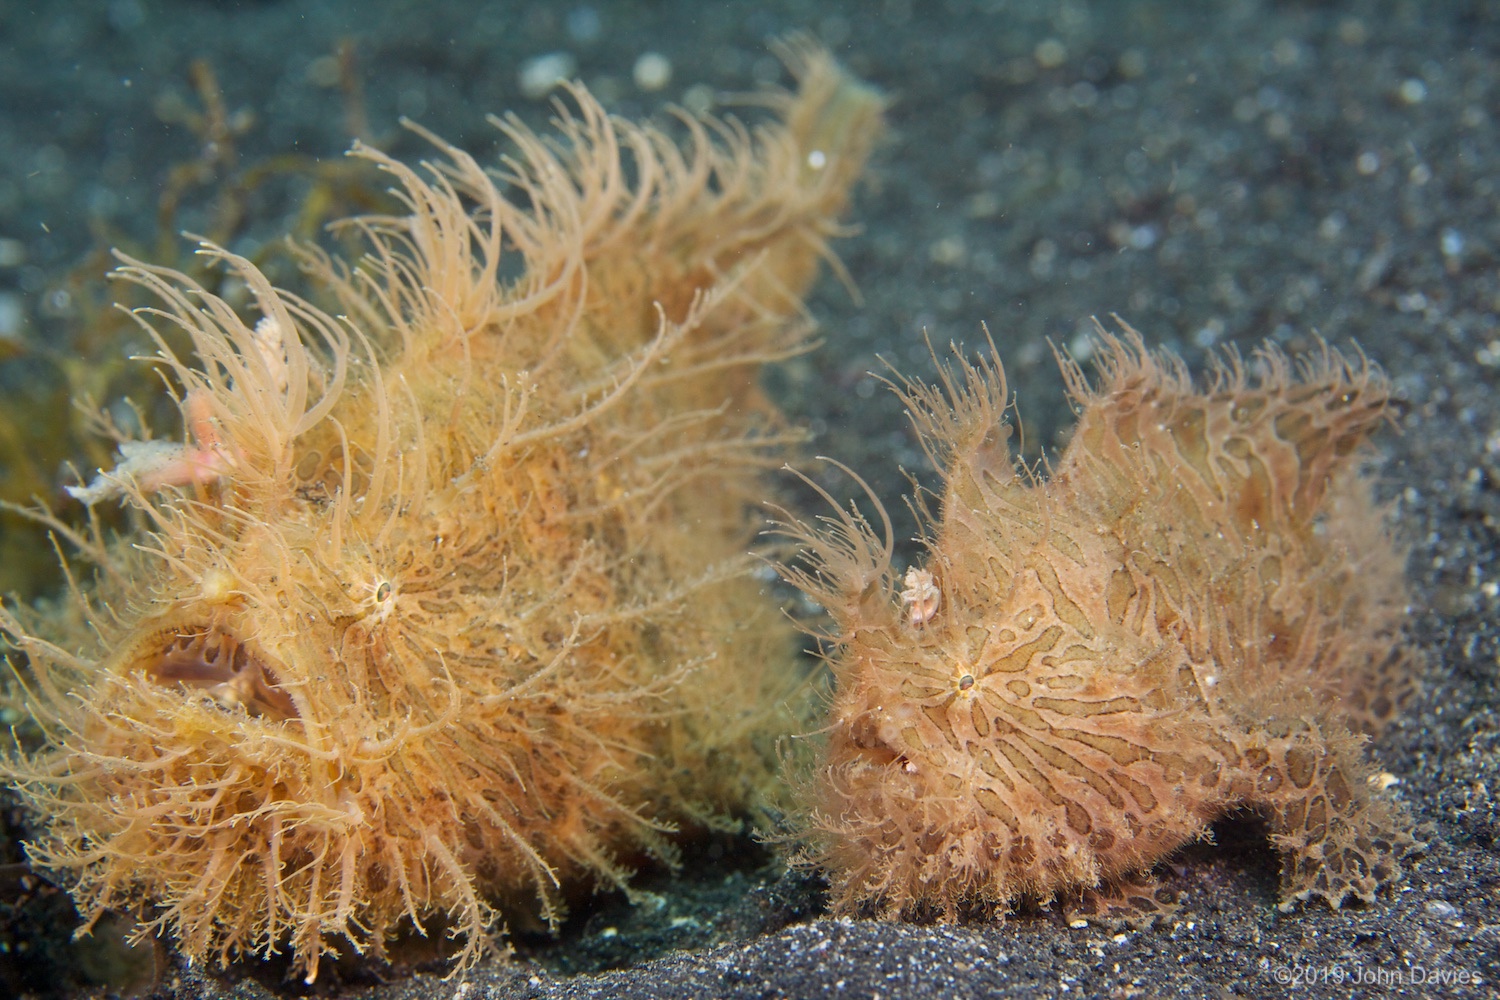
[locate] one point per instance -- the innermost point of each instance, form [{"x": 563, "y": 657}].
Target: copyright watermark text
[{"x": 1295, "y": 975}]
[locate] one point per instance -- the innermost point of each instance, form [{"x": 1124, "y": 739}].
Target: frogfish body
[
  {"x": 441, "y": 607},
  {"x": 1196, "y": 612}
]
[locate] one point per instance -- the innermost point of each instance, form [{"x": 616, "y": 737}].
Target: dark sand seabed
[{"x": 1214, "y": 173}]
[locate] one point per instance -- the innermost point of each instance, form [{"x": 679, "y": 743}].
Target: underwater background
[{"x": 1216, "y": 174}]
